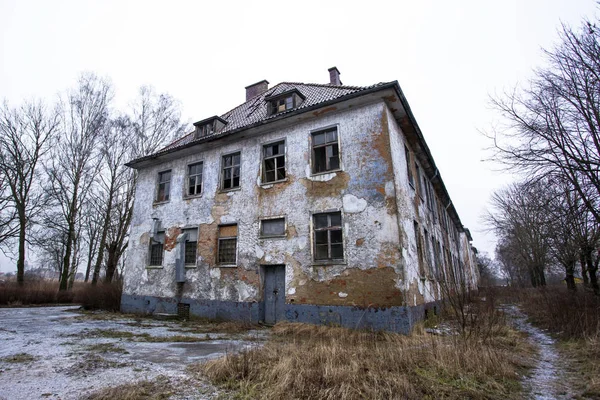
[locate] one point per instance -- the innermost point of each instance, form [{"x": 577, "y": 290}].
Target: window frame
[
  {"x": 264, "y": 158},
  {"x": 195, "y": 262},
  {"x": 411, "y": 178},
  {"x": 315, "y": 132},
  {"x": 261, "y": 235},
  {"x": 186, "y": 183},
  {"x": 329, "y": 260},
  {"x": 222, "y": 171},
  {"x": 153, "y": 242},
  {"x": 158, "y": 183},
  {"x": 219, "y": 239}
]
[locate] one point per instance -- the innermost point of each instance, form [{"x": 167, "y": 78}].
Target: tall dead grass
[
  {"x": 33, "y": 293},
  {"x": 315, "y": 362},
  {"x": 42, "y": 292},
  {"x": 566, "y": 314}
]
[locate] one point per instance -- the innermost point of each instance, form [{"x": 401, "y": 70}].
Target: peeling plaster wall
[
  {"x": 421, "y": 285},
  {"x": 365, "y": 191}
]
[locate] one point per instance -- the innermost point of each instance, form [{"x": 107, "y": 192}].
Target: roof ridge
[{"x": 327, "y": 85}]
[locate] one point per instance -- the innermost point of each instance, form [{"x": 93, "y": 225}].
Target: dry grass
[
  {"x": 159, "y": 388},
  {"x": 316, "y": 362},
  {"x": 569, "y": 315},
  {"x": 141, "y": 337},
  {"x": 38, "y": 292},
  {"x": 19, "y": 358},
  {"x": 32, "y": 293},
  {"x": 200, "y": 325},
  {"x": 575, "y": 319}
]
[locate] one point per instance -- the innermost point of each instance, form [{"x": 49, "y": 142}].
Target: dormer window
[
  {"x": 209, "y": 126},
  {"x": 284, "y": 101}
]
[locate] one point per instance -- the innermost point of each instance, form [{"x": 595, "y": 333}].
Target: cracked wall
[{"x": 381, "y": 264}]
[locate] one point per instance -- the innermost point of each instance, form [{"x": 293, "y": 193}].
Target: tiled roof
[{"x": 255, "y": 109}]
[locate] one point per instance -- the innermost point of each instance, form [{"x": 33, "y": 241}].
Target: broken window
[
  {"x": 191, "y": 245},
  {"x": 284, "y": 102},
  {"x": 194, "y": 187},
  {"x": 164, "y": 186},
  {"x": 411, "y": 179},
  {"x": 418, "y": 178},
  {"x": 428, "y": 250},
  {"x": 274, "y": 162},
  {"x": 231, "y": 171},
  {"x": 157, "y": 249},
  {"x": 326, "y": 152},
  {"x": 272, "y": 227},
  {"x": 227, "y": 244},
  {"x": 328, "y": 236}
]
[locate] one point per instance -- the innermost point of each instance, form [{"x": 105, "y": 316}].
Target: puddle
[{"x": 546, "y": 381}]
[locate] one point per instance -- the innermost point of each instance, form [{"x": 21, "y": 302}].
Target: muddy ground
[{"x": 62, "y": 353}]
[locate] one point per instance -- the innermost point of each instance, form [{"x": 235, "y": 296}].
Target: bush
[
  {"x": 103, "y": 296},
  {"x": 36, "y": 292}
]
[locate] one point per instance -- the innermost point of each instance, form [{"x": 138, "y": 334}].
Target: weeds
[
  {"x": 159, "y": 388},
  {"x": 19, "y": 358},
  {"x": 141, "y": 337},
  {"x": 305, "y": 361}
]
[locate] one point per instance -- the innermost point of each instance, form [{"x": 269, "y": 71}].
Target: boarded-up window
[
  {"x": 227, "y": 244},
  {"x": 328, "y": 236},
  {"x": 272, "y": 227},
  {"x": 326, "y": 151}
]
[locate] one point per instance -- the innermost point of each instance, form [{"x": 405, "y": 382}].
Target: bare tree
[
  {"x": 520, "y": 218},
  {"x": 156, "y": 121},
  {"x": 8, "y": 215},
  {"x": 25, "y": 133},
  {"x": 553, "y": 127},
  {"x": 75, "y": 159}
]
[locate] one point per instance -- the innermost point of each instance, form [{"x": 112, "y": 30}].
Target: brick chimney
[
  {"x": 334, "y": 76},
  {"x": 256, "y": 88}
]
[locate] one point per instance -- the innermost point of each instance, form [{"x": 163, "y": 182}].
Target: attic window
[
  {"x": 209, "y": 126},
  {"x": 284, "y": 101}
]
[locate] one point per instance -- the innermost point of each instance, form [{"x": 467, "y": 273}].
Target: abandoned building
[{"x": 316, "y": 203}]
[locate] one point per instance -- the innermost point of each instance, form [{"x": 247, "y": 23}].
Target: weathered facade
[{"x": 309, "y": 203}]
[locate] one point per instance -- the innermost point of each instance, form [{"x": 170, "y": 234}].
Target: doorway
[{"x": 274, "y": 293}]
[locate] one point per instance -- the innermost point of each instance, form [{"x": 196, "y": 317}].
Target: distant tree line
[
  {"x": 551, "y": 136},
  {"x": 65, "y": 192}
]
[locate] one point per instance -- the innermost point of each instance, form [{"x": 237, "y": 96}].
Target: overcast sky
[{"x": 448, "y": 56}]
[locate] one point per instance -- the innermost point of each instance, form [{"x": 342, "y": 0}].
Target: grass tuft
[{"x": 159, "y": 388}]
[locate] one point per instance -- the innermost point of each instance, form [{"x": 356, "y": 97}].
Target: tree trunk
[
  {"x": 591, "y": 269},
  {"x": 21, "y": 259},
  {"x": 584, "y": 273},
  {"x": 105, "y": 227},
  {"x": 111, "y": 263}
]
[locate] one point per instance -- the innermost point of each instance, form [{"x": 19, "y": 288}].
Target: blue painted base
[{"x": 395, "y": 319}]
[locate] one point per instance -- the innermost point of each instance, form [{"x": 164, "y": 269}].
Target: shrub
[{"x": 103, "y": 296}]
